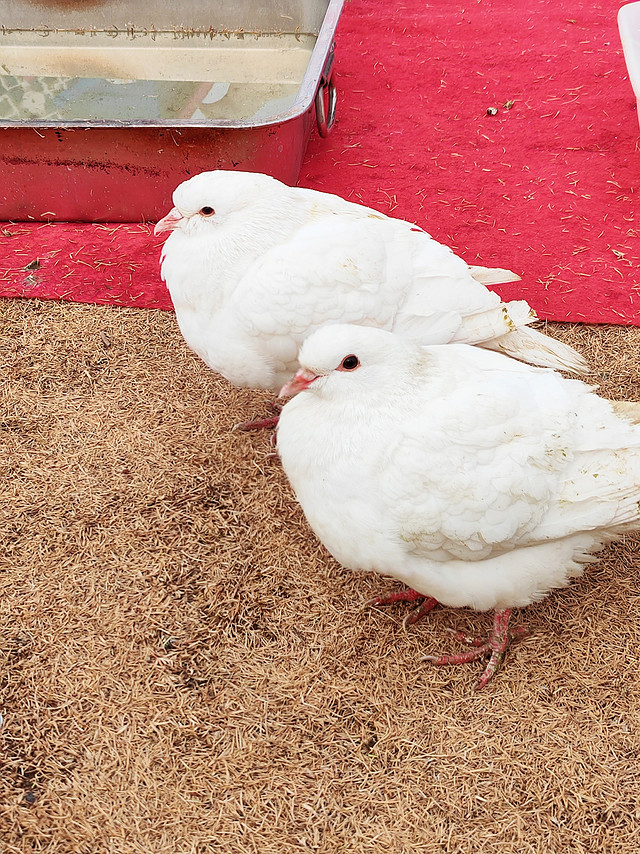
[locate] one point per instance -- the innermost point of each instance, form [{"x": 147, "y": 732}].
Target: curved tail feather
[{"x": 536, "y": 348}]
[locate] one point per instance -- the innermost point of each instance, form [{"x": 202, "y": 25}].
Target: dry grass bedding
[{"x": 185, "y": 670}]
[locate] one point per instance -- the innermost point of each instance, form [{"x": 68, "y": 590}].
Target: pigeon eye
[
  {"x": 207, "y": 211},
  {"x": 349, "y": 363}
]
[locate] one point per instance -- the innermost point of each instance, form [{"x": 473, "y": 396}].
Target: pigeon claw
[
  {"x": 495, "y": 660},
  {"x": 418, "y": 613},
  {"x": 258, "y": 424},
  {"x": 262, "y": 423},
  {"x": 495, "y": 647},
  {"x": 427, "y": 604}
]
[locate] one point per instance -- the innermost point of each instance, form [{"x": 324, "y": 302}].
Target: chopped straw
[{"x": 185, "y": 670}]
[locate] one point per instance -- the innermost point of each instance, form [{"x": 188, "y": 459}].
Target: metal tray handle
[{"x": 326, "y": 111}]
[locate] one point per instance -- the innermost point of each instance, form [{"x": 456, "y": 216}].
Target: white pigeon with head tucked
[
  {"x": 476, "y": 480},
  {"x": 253, "y": 266}
]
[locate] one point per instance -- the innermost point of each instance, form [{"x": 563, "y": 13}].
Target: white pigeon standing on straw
[
  {"x": 253, "y": 266},
  {"x": 476, "y": 480}
]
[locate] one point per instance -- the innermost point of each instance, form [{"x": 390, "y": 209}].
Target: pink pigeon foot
[
  {"x": 408, "y": 595},
  {"x": 262, "y": 423},
  {"x": 494, "y": 646}
]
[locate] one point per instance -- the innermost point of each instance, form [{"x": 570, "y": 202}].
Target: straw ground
[{"x": 185, "y": 670}]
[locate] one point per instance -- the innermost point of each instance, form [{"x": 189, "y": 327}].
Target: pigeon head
[
  {"x": 346, "y": 359},
  {"x": 210, "y": 198}
]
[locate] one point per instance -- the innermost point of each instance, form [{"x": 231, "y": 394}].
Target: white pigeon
[
  {"x": 253, "y": 266},
  {"x": 475, "y": 479}
]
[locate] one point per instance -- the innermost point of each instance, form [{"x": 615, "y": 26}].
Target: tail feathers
[
  {"x": 495, "y": 323},
  {"x": 446, "y": 327},
  {"x": 503, "y": 327},
  {"x": 529, "y": 345},
  {"x": 493, "y": 275}
]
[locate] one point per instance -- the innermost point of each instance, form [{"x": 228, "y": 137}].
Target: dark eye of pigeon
[
  {"x": 207, "y": 211},
  {"x": 350, "y": 363}
]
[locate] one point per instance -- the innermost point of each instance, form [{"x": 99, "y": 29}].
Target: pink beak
[
  {"x": 300, "y": 382},
  {"x": 169, "y": 222}
]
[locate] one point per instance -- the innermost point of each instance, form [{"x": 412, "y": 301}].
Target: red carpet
[{"x": 545, "y": 186}]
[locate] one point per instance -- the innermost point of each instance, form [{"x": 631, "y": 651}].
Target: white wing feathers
[
  {"x": 514, "y": 475},
  {"x": 529, "y": 345},
  {"x": 628, "y": 409},
  {"x": 493, "y": 275}
]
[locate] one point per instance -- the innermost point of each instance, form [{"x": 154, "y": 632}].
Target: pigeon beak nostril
[
  {"x": 168, "y": 223},
  {"x": 300, "y": 382}
]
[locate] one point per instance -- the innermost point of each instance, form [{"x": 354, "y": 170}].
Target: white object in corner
[{"x": 629, "y": 26}]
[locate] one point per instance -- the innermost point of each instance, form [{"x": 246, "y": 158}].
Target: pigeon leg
[
  {"x": 408, "y": 595},
  {"x": 494, "y": 647},
  {"x": 262, "y": 423}
]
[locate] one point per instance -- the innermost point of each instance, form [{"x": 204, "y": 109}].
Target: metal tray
[{"x": 105, "y": 107}]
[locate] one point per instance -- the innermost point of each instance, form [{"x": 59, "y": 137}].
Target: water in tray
[{"x": 149, "y": 75}]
